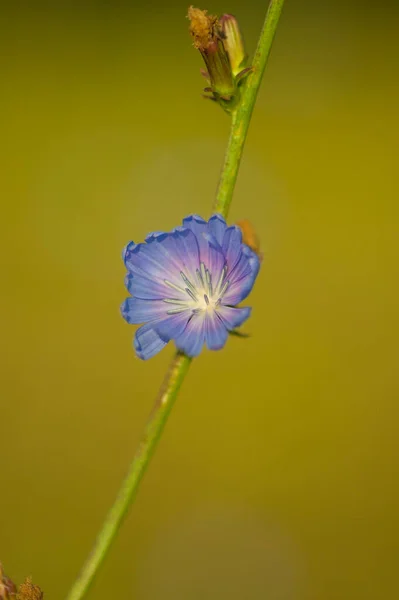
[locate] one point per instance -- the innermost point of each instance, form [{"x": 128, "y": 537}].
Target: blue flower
[{"x": 185, "y": 286}]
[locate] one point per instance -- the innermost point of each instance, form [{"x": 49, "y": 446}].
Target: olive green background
[{"x": 276, "y": 478}]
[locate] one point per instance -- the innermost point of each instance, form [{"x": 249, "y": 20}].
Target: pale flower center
[{"x": 201, "y": 295}]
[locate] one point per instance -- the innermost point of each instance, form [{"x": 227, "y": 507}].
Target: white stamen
[
  {"x": 192, "y": 296},
  {"x": 200, "y": 296},
  {"x": 175, "y": 311},
  {"x": 175, "y": 301},
  {"x": 221, "y": 278},
  {"x": 224, "y": 288},
  {"x": 199, "y": 278},
  {"x": 209, "y": 282},
  {"x": 174, "y": 286},
  {"x": 188, "y": 283},
  {"x": 203, "y": 273}
]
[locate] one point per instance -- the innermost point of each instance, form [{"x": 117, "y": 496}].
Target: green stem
[
  {"x": 128, "y": 490},
  {"x": 241, "y": 116},
  {"x": 180, "y": 364}
]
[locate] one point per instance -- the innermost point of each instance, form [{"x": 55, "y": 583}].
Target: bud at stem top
[
  {"x": 233, "y": 43},
  {"x": 209, "y": 40}
]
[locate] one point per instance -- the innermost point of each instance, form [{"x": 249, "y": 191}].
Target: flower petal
[
  {"x": 198, "y": 226},
  {"x": 147, "y": 342},
  {"x": 173, "y": 326},
  {"x": 140, "y": 260},
  {"x": 241, "y": 269},
  {"x": 215, "y": 260},
  {"x": 233, "y": 317},
  {"x": 187, "y": 250},
  {"x": 253, "y": 258},
  {"x": 217, "y": 227},
  {"x": 136, "y": 310},
  {"x": 192, "y": 339},
  {"x": 215, "y": 332},
  {"x": 176, "y": 249},
  {"x": 238, "y": 291},
  {"x": 163, "y": 257},
  {"x": 232, "y": 245},
  {"x": 149, "y": 289},
  {"x": 242, "y": 277},
  {"x": 154, "y": 235}
]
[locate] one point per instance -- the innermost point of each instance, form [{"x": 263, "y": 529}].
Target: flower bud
[
  {"x": 233, "y": 43},
  {"x": 208, "y": 39}
]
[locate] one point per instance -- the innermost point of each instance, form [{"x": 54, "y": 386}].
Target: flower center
[{"x": 200, "y": 295}]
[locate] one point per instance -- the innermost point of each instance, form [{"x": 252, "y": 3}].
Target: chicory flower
[{"x": 185, "y": 286}]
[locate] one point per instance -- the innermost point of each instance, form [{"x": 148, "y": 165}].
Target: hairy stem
[{"x": 180, "y": 364}]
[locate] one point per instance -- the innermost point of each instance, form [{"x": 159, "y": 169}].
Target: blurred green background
[{"x": 277, "y": 475}]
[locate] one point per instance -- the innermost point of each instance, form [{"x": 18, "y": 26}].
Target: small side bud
[
  {"x": 208, "y": 39},
  {"x": 233, "y": 43}
]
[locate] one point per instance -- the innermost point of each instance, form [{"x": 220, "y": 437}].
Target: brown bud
[
  {"x": 208, "y": 39},
  {"x": 203, "y": 27},
  {"x": 28, "y": 591}
]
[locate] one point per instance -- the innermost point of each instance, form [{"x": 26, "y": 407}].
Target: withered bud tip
[
  {"x": 203, "y": 28},
  {"x": 29, "y": 591}
]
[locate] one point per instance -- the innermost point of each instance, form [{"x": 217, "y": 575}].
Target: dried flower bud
[
  {"x": 233, "y": 43},
  {"x": 28, "y": 591},
  {"x": 7, "y": 587},
  {"x": 208, "y": 39}
]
